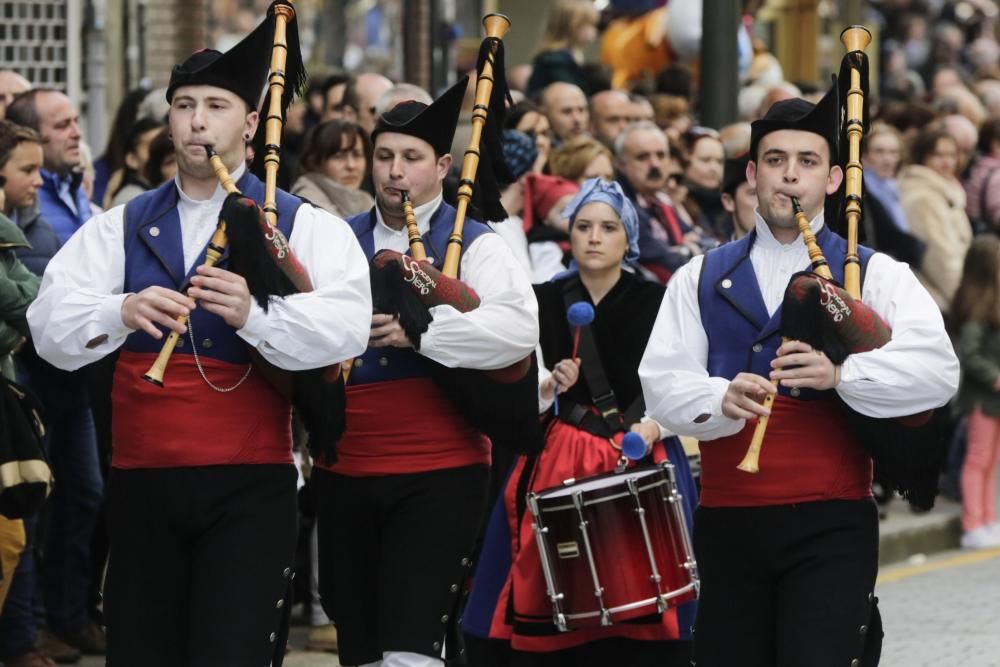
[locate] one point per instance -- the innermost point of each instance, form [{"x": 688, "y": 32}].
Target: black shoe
[
  {"x": 30, "y": 659},
  {"x": 57, "y": 650},
  {"x": 90, "y": 640}
]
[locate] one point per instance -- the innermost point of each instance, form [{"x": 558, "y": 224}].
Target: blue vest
[
  {"x": 741, "y": 336},
  {"x": 154, "y": 255},
  {"x": 395, "y": 363}
]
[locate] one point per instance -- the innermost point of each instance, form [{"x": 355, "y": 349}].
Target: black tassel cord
[{"x": 493, "y": 173}]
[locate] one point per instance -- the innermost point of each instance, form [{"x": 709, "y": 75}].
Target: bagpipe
[
  {"x": 501, "y": 403},
  {"x": 907, "y": 451},
  {"x": 259, "y": 251}
]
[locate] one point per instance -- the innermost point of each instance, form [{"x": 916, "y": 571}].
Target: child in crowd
[{"x": 976, "y": 312}]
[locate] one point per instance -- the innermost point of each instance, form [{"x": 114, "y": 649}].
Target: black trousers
[
  {"x": 787, "y": 585},
  {"x": 200, "y": 565},
  {"x": 394, "y": 552}
]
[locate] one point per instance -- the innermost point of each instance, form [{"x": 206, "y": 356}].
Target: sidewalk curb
[{"x": 902, "y": 537}]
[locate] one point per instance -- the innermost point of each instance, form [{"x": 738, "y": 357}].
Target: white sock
[{"x": 404, "y": 659}]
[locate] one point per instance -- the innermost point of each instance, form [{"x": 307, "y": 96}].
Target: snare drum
[{"x": 614, "y": 547}]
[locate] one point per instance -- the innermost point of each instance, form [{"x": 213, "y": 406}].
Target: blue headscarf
[
  {"x": 610, "y": 193},
  {"x": 519, "y": 151}
]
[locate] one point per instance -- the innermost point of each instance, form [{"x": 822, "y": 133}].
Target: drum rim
[
  {"x": 638, "y": 604},
  {"x": 639, "y": 474},
  {"x": 570, "y": 505}
]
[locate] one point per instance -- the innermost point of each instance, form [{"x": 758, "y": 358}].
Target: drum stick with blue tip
[
  {"x": 579, "y": 314},
  {"x": 634, "y": 446}
]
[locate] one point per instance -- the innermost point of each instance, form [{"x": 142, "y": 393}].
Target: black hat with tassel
[
  {"x": 434, "y": 123},
  {"x": 493, "y": 173},
  {"x": 822, "y": 118},
  {"x": 243, "y": 69}
]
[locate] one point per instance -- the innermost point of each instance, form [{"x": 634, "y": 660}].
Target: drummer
[{"x": 580, "y": 443}]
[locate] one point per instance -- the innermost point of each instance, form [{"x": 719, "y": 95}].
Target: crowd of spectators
[{"x": 932, "y": 185}]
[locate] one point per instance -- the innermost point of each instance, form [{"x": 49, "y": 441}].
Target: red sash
[
  {"x": 808, "y": 455},
  {"x": 187, "y": 423},
  {"x": 405, "y": 426}
]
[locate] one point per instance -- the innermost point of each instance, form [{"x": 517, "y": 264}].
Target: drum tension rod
[{"x": 598, "y": 589}]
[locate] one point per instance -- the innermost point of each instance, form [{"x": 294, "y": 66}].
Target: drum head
[{"x": 602, "y": 482}]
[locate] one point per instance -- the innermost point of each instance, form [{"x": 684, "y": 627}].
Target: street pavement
[
  {"x": 304, "y": 659},
  {"x": 943, "y": 611}
]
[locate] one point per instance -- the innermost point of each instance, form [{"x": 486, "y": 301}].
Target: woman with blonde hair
[
  {"x": 706, "y": 157},
  {"x": 582, "y": 158},
  {"x": 571, "y": 27},
  {"x": 933, "y": 200},
  {"x": 886, "y": 227}
]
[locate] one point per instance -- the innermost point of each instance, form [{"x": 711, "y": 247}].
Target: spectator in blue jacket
[{"x": 53, "y": 115}]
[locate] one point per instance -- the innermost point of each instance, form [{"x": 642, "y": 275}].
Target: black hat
[
  {"x": 235, "y": 71},
  {"x": 735, "y": 173},
  {"x": 434, "y": 123},
  {"x": 242, "y": 69},
  {"x": 822, "y": 118}
]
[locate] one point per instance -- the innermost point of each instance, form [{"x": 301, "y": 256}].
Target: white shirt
[
  {"x": 915, "y": 371},
  {"x": 511, "y": 230},
  {"x": 81, "y": 294},
  {"x": 503, "y": 329}
]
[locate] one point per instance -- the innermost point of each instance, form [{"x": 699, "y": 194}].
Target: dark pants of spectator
[
  {"x": 18, "y": 623},
  {"x": 64, "y": 534},
  {"x": 394, "y": 551},
  {"x": 787, "y": 585},
  {"x": 67, "y": 568},
  {"x": 200, "y": 565}
]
